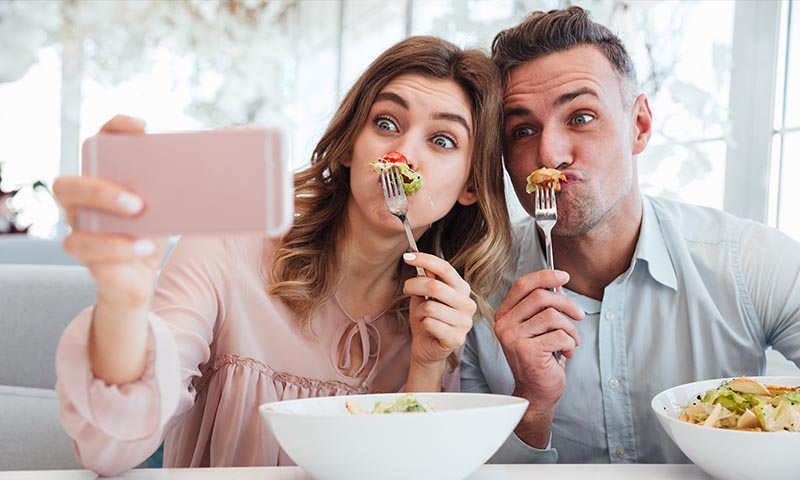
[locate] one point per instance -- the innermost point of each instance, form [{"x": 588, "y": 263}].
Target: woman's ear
[
  {"x": 469, "y": 195},
  {"x": 347, "y": 161}
]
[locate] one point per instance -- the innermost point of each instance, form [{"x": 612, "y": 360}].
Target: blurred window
[
  {"x": 785, "y": 196},
  {"x": 204, "y": 63}
]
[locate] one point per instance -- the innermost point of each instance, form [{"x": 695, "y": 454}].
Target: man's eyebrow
[
  {"x": 568, "y": 97},
  {"x": 453, "y": 117},
  {"x": 516, "y": 112},
  {"x": 392, "y": 97}
]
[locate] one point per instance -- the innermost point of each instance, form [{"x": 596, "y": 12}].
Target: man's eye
[
  {"x": 386, "y": 124},
  {"x": 443, "y": 141},
  {"x": 582, "y": 119},
  {"x": 522, "y": 132}
]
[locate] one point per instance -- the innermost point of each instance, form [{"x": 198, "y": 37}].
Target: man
[{"x": 653, "y": 293}]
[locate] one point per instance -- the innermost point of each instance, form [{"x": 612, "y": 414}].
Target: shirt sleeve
[
  {"x": 472, "y": 379},
  {"x": 474, "y": 372},
  {"x": 770, "y": 272},
  {"x": 116, "y": 427},
  {"x": 514, "y": 450}
]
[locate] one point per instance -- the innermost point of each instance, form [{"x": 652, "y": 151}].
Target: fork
[
  {"x": 546, "y": 216},
  {"x": 397, "y": 203}
]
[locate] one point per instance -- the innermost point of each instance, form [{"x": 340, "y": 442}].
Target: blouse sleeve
[{"x": 116, "y": 427}]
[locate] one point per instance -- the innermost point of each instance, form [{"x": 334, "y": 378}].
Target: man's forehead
[{"x": 553, "y": 74}]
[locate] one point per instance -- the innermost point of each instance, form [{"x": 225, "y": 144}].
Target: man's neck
[{"x": 595, "y": 259}]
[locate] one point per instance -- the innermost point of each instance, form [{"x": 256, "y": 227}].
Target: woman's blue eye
[
  {"x": 444, "y": 141},
  {"x": 522, "y": 132},
  {"x": 582, "y": 119},
  {"x": 386, "y": 124}
]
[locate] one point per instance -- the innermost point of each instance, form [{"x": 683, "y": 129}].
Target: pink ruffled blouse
[{"x": 218, "y": 347}]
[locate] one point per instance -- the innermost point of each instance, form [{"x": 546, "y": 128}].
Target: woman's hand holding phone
[{"x": 123, "y": 268}]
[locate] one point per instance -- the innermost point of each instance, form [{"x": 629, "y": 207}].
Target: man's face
[{"x": 566, "y": 111}]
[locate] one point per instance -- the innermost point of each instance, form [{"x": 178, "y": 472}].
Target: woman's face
[{"x": 429, "y": 121}]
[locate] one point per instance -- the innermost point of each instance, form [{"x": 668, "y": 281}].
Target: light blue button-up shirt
[{"x": 705, "y": 295}]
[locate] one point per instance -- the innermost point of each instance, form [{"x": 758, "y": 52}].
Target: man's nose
[{"x": 554, "y": 148}]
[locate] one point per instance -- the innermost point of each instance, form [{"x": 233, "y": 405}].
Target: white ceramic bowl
[
  {"x": 450, "y": 443},
  {"x": 729, "y": 454}
]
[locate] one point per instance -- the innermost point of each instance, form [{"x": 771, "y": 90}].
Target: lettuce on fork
[{"x": 412, "y": 181}]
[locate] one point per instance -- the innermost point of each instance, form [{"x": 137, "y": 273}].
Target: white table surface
[{"x": 486, "y": 472}]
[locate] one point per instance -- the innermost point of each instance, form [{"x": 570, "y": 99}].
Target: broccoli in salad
[
  {"x": 746, "y": 404},
  {"x": 406, "y": 403}
]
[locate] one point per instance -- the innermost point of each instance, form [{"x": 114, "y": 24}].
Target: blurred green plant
[{"x": 10, "y": 211}]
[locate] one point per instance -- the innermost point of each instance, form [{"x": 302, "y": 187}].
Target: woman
[{"x": 329, "y": 309}]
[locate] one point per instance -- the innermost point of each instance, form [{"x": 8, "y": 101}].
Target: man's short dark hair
[{"x": 558, "y": 30}]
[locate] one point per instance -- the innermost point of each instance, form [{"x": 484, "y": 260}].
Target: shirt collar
[{"x": 652, "y": 249}]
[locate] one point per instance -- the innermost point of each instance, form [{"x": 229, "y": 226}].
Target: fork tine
[
  {"x": 545, "y": 197},
  {"x": 552, "y": 197},
  {"x": 537, "y": 199},
  {"x": 387, "y": 181},
  {"x": 398, "y": 181},
  {"x": 383, "y": 184}
]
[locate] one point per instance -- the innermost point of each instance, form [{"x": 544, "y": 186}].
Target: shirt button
[
  {"x": 610, "y": 315},
  {"x": 621, "y": 452},
  {"x": 613, "y": 384}
]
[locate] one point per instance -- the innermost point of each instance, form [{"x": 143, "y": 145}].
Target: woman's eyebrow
[
  {"x": 453, "y": 117},
  {"x": 392, "y": 97}
]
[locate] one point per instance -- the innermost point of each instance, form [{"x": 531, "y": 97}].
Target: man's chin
[{"x": 571, "y": 227}]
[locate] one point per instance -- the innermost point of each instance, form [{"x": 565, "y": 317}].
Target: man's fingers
[
  {"x": 524, "y": 285},
  {"x": 536, "y": 302},
  {"x": 550, "y": 342},
  {"x": 548, "y": 321}
]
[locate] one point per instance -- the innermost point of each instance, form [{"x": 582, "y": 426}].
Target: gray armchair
[
  {"x": 22, "y": 249},
  {"x": 36, "y": 304}
]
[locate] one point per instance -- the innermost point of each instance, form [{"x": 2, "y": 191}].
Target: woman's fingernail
[
  {"x": 562, "y": 275},
  {"x": 409, "y": 257},
  {"x": 138, "y": 122},
  {"x": 143, "y": 247},
  {"x": 129, "y": 202}
]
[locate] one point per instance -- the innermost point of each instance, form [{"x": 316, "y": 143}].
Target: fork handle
[
  {"x": 548, "y": 246},
  {"x": 413, "y": 245}
]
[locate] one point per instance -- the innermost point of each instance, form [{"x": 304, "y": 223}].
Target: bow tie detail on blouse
[{"x": 356, "y": 329}]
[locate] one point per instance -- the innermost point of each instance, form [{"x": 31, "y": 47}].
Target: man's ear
[
  {"x": 642, "y": 124},
  {"x": 468, "y": 195}
]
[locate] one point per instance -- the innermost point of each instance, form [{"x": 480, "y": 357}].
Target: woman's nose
[{"x": 413, "y": 148}]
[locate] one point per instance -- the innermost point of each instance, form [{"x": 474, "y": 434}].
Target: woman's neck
[{"x": 368, "y": 264}]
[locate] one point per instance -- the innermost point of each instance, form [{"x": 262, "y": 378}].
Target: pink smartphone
[{"x": 234, "y": 180}]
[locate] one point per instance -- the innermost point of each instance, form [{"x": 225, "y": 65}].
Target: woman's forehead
[{"x": 419, "y": 91}]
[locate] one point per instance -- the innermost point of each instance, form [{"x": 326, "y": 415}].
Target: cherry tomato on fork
[{"x": 395, "y": 157}]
